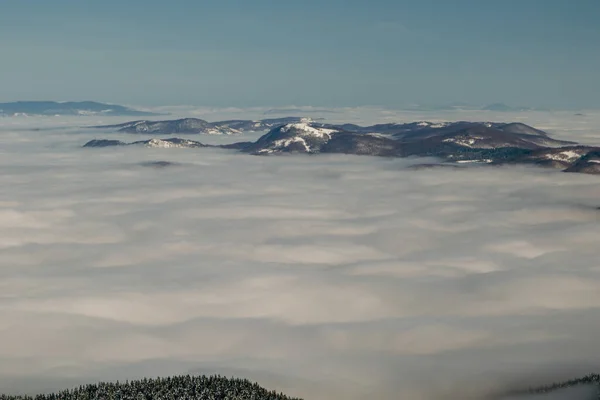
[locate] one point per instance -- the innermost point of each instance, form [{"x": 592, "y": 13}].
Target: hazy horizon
[{"x": 308, "y": 109}]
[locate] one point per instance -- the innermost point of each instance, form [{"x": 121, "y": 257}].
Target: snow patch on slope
[
  {"x": 464, "y": 141},
  {"x": 284, "y": 143},
  {"x": 485, "y": 160},
  {"x": 165, "y": 144},
  {"x": 306, "y": 129},
  {"x": 567, "y": 155},
  {"x": 222, "y": 131},
  {"x": 432, "y": 125}
]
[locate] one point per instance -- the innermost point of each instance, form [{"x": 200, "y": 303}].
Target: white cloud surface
[{"x": 325, "y": 277}]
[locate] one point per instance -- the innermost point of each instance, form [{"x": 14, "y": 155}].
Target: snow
[
  {"x": 164, "y": 144},
  {"x": 149, "y": 126},
  {"x": 486, "y": 160},
  {"x": 475, "y": 142},
  {"x": 467, "y": 142},
  {"x": 283, "y": 143},
  {"x": 546, "y": 142},
  {"x": 299, "y": 133},
  {"x": 266, "y": 151},
  {"x": 594, "y": 161},
  {"x": 379, "y": 135},
  {"x": 221, "y": 131},
  {"x": 440, "y": 125},
  {"x": 567, "y": 155},
  {"x": 432, "y": 125},
  {"x": 308, "y": 130}
]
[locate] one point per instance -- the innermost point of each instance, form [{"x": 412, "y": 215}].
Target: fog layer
[{"x": 322, "y": 276}]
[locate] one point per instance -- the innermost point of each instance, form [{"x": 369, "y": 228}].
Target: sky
[{"x": 537, "y": 53}]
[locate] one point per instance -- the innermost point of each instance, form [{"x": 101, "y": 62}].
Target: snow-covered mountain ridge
[{"x": 452, "y": 142}]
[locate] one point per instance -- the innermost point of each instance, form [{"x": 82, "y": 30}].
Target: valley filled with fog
[{"x": 323, "y": 276}]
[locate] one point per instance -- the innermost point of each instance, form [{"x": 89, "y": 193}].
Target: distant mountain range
[
  {"x": 81, "y": 108},
  {"x": 86, "y": 108},
  {"x": 499, "y": 107},
  {"x": 457, "y": 106},
  {"x": 454, "y": 143}
]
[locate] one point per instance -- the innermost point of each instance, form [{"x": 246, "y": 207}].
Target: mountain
[
  {"x": 589, "y": 163},
  {"x": 260, "y": 125},
  {"x": 177, "y": 387},
  {"x": 497, "y": 107},
  {"x": 481, "y": 134},
  {"x": 462, "y": 141},
  {"x": 306, "y": 138},
  {"x": 454, "y": 143},
  {"x": 53, "y": 108},
  {"x": 199, "y": 126},
  {"x": 561, "y": 157},
  {"x": 178, "y": 126},
  {"x": 298, "y": 137},
  {"x": 291, "y": 138},
  {"x": 163, "y": 143}
]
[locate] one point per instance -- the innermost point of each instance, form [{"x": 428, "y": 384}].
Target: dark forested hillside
[
  {"x": 220, "y": 388},
  {"x": 173, "y": 388},
  {"x": 591, "y": 381}
]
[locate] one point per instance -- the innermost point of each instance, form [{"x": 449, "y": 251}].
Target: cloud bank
[{"x": 325, "y": 277}]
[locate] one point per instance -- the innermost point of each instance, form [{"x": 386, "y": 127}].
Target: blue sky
[{"x": 543, "y": 53}]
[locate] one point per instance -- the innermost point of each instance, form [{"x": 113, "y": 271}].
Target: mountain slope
[
  {"x": 313, "y": 138},
  {"x": 588, "y": 164},
  {"x": 298, "y": 137},
  {"x": 414, "y": 139},
  {"x": 257, "y": 125},
  {"x": 199, "y": 126},
  {"x": 162, "y": 143},
  {"x": 558, "y": 157},
  {"x": 482, "y": 134},
  {"x": 178, "y": 126}
]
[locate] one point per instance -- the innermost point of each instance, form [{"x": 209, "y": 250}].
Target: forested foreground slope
[
  {"x": 220, "y": 388},
  {"x": 172, "y": 388}
]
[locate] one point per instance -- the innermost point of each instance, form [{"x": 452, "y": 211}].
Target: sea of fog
[{"x": 326, "y": 277}]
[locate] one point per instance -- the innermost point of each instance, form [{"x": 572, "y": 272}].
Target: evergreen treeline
[
  {"x": 173, "y": 388},
  {"x": 217, "y": 388},
  {"x": 592, "y": 379}
]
